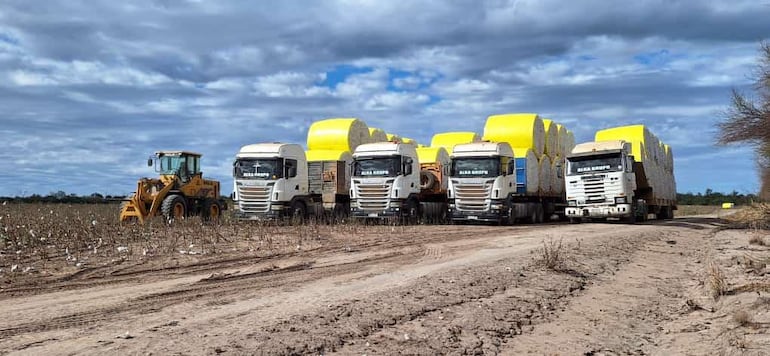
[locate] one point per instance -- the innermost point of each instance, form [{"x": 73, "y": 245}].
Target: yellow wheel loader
[{"x": 179, "y": 192}]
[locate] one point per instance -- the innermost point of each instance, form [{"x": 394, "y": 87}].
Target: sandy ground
[{"x": 618, "y": 289}]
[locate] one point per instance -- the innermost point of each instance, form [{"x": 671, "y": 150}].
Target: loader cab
[{"x": 183, "y": 164}]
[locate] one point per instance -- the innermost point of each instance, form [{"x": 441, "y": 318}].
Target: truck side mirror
[
  {"x": 149, "y": 162},
  {"x": 559, "y": 171},
  {"x": 408, "y": 166}
]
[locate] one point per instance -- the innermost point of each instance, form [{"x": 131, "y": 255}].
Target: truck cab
[
  {"x": 268, "y": 178},
  {"x": 482, "y": 182},
  {"x": 600, "y": 181},
  {"x": 385, "y": 181}
]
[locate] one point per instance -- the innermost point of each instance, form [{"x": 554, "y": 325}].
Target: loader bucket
[{"x": 131, "y": 210}]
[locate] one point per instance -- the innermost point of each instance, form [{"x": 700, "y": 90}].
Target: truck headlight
[
  {"x": 572, "y": 203},
  {"x": 395, "y": 204},
  {"x": 620, "y": 200},
  {"x": 496, "y": 206}
]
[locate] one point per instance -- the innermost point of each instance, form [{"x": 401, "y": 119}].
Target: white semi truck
[
  {"x": 276, "y": 180},
  {"x": 489, "y": 184},
  {"x": 605, "y": 180},
  {"x": 386, "y": 184}
]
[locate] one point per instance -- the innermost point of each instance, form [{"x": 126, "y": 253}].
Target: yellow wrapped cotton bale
[
  {"x": 669, "y": 158},
  {"x": 518, "y": 130},
  {"x": 409, "y": 140},
  {"x": 527, "y": 170},
  {"x": 428, "y": 155},
  {"x": 328, "y": 155},
  {"x": 343, "y": 134},
  {"x": 377, "y": 135},
  {"x": 393, "y": 137},
  {"x": 638, "y": 135},
  {"x": 562, "y": 139},
  {"x": 544, "y": 170},
  {"x": 569, "y": 142},
  {"x": 448, "y": 140},
  {"x": 557, "y": 183},
  {"x": 551, "y": 146}
]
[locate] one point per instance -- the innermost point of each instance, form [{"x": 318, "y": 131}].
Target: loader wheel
[
  {"x": 212, "y": 210},
  {"x": 174, "y": 208}
]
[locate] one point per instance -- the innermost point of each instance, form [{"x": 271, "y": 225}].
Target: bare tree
[{"x": 748, "y": 120}]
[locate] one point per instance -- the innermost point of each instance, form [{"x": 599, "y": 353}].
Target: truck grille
[
  {"x": 373, "y": 196},
  {"x": 254, "y": 199},
  {"x": 593, "y": 189},
  {"x": 472, "y": 196}
]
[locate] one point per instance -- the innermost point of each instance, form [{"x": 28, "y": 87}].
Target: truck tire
[
  {"x": 297, "y": 213},
  {"x": 174, "y": 207},
  {"x": 211, "y": 210},
  {"x": 540, "y": 211},
  {"x": 411, "y": 215},
  {"x": 575, "y": 220},
  {"x": 427, "y": 180}
]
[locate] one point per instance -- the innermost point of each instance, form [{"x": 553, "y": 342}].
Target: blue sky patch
[{"x": 342, "y": 72}]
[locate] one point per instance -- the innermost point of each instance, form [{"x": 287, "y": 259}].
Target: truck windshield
[
  {"x": 262, "y": 168},
  {"x": 377, "y": 166},
  {"x": 476, "y": 167},
  {"x": 599, "y": 163}
]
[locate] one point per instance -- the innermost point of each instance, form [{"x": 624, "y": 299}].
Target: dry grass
[
  {"x": 756, "y": 217},
  {"x": 743, "y": 318},
  {"x": 690, "y": 210},
  {"x": 716, "y": 281},
  {"x": 34, "y": 237},
  {"x": 552, "y": 255},
  {"x": 757, "y": 239},
  {"x": 752, "y": 287}
]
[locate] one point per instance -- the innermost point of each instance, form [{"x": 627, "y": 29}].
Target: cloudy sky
[{"x": 89, "y": 89}]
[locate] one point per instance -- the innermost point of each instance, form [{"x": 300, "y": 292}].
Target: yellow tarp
[
  {"x": 637, "y": 135},
  {"x": 432, "y": 155},
  {"x": 393, "y": 137},
  {"x": 408, "y": 140},
  {"x": 342, "y": 134},
  {"x": 448, "y": 140},
  {"x": 518, "y": 130},
  {"x": 328, "y": 155}
]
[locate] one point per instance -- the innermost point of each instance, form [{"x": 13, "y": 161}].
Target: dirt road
[{"x": 420, "y": 290}]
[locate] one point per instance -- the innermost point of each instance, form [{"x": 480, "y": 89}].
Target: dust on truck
[
  {"x": 626, "y": 173},
  {"x": 276, "y": 180}
]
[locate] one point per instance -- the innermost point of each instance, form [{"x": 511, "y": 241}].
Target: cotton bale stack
[
  {"x": 551, "y": 147},
  {"x": 393, "y": 137},
  {"x": 448, "y": 140},
  {"x": 651, "y": 153},
  {"x": 557, "y": 176},
  {"x": 339, "y": 134},
  {"x": 545, "y": 182},
  {"x": 527, "y": 170},
  {"x": 377, "y": 135},
  {"x": 518, "y": 130},
  {"x": 561, "y": 134}
]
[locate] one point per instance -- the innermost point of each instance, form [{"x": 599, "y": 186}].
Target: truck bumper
[
  {"x": 276, "y": 211},
  {"x": 483, "y": 216},
  {"x": 358, "y": 213},
  {"x": 603, "y": 211}
]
